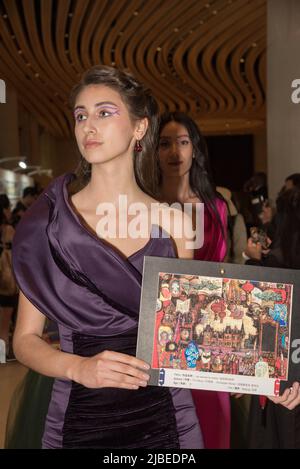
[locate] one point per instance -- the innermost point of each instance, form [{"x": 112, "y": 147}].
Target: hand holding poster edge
[{"x": 227, "y": 363}]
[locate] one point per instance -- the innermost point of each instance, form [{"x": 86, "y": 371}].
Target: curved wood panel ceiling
[{"x": 204, "y": 57}]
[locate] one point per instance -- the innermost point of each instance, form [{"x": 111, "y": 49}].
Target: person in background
[
  {"x": 16, "y": 215},
  {"x": 268, "y": 215},
  {"x": 29, "y": 197},
  {"x": 184, "y": 176},
  {"x": 291, "y": 181},
  {"x": 277, "y": 423},
  {"x": 8, "y": 287},
  {"x": 5, "y": 207},
  {"x": 253, "y": 200},
  {"x": 236, "y": 230}
]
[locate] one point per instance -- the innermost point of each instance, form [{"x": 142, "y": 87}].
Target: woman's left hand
[{"x": 290, "y": 398}]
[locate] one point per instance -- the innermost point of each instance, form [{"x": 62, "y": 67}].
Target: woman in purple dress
[
  {"x": 78, "y": 264},
  {"x": 184, "y": 177}
]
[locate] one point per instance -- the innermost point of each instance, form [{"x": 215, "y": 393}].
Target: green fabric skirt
[{"x": 27, "y": 412}]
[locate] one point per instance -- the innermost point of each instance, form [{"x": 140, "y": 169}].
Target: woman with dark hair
[
  {"x": 5, "y": 208},
  {"x": 276, "y": 424},
  {"x": 293, "y": 180},
  {"x": 184, "y": 176},
  {"x": 8, "y": 287},
  {"x": 87, "y": 278}
]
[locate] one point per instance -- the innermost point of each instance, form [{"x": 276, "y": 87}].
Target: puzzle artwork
[{"x": 221, "y": 325}]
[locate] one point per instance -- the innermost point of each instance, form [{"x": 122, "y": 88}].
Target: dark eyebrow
[
  {"x": 169, "y": 138},
  {"x": 105, "y": 103},
  {"x": 78, "y": 107},
  {"x": 102, "y": 103}
]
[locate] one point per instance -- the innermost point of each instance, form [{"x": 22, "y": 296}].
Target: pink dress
[
  {"x": 213, "y": 408},
  {"x": 215, "y": 246}
]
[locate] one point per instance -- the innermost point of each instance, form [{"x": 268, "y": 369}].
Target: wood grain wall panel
[{"x": 203, "y": 57}]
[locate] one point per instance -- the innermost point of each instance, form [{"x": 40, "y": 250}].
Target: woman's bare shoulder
[{"x": 179, "y": 226}]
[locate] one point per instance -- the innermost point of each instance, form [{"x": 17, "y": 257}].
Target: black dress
[{"x": 275, "y": 426}]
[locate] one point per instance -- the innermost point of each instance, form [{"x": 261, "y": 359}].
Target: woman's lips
[
  {"x": 175, "y": 163},
  {"x": 92, "y": 144}
]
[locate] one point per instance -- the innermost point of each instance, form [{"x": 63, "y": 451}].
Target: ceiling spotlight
[{"x": 22, "y": 164}]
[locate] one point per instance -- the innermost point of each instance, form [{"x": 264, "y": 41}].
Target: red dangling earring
[{"x": 138, "y": 147}]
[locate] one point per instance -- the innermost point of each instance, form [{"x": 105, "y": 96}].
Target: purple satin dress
[{"x": 93, "y": 294}]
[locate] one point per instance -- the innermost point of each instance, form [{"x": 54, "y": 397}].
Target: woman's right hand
[
  {"x": 290, "y": 397},
  {"x": 110, "y": 370}
]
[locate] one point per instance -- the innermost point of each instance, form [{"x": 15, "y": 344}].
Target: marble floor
[{"x": 11, "y": 374}]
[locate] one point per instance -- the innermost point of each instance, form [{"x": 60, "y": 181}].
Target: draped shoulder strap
[{"x": 69, "y": 274}]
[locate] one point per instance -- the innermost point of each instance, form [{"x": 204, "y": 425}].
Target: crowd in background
[{"x": 9, "y": 218}]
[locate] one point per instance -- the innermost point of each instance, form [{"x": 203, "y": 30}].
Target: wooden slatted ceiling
[{"x": 204, "y": 57}]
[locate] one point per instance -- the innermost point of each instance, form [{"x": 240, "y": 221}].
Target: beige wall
[
  {"x": 283, "y": 116},
  {"x": 21, "y": 135}
]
